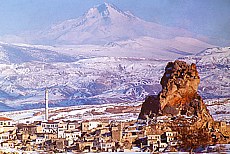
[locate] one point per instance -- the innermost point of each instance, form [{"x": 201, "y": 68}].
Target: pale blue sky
[{"x": 207, "y": 17}]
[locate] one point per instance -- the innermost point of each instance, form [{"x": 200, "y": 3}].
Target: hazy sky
[{"x": 209, "y": 17}]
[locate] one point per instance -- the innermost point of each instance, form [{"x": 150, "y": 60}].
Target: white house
[
  {"x": 170, "y": 136},
  {"x": 89, "y": 125},
  {"x": 49, "y": 126}
]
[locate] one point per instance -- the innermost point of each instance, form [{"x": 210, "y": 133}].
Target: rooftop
[
  {"x": 5, "y": 119},
  {"x": 51, "y": 122}
]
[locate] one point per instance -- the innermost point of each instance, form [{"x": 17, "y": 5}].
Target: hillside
[{"x": 78, "y": 80}]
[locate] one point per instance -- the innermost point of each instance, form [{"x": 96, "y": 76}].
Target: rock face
[{"x": 179, "y": 94}]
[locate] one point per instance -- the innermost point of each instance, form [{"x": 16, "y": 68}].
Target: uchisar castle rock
[{"x": 178, "y": 96}]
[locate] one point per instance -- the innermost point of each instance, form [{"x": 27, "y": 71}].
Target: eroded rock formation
[{"x": 179, "y": 94}]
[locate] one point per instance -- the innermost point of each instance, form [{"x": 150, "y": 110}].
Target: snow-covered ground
[
  {"x": 75, "y": 80},
  {"x": 11, "y": 150},
  {"x": 121, "y": 111},
  {"x": 219, "y": 109}
]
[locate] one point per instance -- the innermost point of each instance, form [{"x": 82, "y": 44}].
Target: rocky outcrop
[{"x": 179, "y": 94}]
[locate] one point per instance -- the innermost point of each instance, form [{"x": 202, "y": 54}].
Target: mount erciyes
[{"x": 104, "y": 24}]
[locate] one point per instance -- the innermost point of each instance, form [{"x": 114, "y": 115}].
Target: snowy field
[
  {"x": 219, "y": 109},
  {"x": 77, "y": 79},
  {"x": 121, "y": 111}
]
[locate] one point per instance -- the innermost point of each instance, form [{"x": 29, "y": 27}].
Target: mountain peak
[
  {"x": 103, "y": 6},
  {"x": 106, "y": 10},
  {"x": 107, "y": 7}
]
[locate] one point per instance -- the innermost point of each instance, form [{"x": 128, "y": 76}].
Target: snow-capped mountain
[
  {"x": 105, "y": 30},
  {"x": 106, "y": 23}
]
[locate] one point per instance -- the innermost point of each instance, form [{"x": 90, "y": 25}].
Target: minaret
[{"x": 47, "y": 105}]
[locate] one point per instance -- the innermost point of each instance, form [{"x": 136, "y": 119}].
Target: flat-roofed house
[{"x": 6, "y": 124}]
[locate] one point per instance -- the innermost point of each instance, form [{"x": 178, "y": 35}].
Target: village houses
[{"x": 90, "y": 135}]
